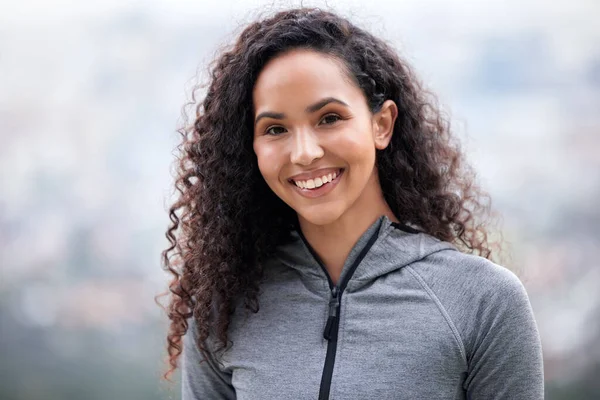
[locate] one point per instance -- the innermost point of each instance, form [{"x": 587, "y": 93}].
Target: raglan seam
[{"x": 442, "y": 310}]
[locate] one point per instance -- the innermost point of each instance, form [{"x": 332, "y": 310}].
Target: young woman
[{"x": 329, "y": 240}]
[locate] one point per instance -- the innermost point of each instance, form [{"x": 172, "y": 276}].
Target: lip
[
  {"x": 321, "y": 191},
  {"x": 314, "y": 174}
]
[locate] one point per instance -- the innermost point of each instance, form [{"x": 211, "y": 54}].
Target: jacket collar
[{"x": 394, "y": 247}]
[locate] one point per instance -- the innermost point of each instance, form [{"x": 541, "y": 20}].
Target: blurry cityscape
[{"x": 90, "y": 99}]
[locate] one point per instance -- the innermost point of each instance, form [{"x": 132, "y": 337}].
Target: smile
[{"x": 317, "y": 186}]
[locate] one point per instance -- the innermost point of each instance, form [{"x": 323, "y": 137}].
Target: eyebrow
[{"x": 310, "y": 109}]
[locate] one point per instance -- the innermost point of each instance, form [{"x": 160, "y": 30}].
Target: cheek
[
  {"x": 269, "y": 160},
  {"x": 356, "y": 147}
]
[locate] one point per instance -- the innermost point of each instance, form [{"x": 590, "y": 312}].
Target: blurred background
[{"x": 90, "y": 100}]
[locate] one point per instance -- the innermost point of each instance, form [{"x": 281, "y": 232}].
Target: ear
[{"x": 383, "y": 124}]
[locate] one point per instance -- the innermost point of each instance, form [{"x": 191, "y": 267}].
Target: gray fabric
[{"x": 419, "y": 320}]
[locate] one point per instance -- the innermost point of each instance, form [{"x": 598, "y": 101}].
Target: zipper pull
[{"x": 334, "y": 303}]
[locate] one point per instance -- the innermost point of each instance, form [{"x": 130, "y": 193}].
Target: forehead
[{"x": 302, "y": 76}]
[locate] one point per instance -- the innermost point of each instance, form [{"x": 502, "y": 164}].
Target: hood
[{"x": 385, "y": 247}]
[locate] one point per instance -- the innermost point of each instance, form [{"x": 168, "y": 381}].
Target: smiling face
[{"x": 315, "y": 138}]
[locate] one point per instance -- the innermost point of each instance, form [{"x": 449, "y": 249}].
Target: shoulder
[
  {"x": 487, "y": 306},
  {"x": 465, "y": 277},
  {"x": 478, "y": 295}
]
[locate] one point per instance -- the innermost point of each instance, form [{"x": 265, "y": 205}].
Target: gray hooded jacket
[{"x": 410, "y": 318}]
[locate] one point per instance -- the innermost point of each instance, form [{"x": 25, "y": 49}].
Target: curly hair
[{"x": 226, "y": 221}]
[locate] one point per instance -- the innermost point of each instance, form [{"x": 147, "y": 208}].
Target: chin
[{"x": 320, "y": 217}]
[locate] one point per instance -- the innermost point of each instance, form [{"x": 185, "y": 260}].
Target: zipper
[
  {"x": 332, "y": 326},
  {"x": 334, "y": 305},
  {"x": 331, "y": 335}
]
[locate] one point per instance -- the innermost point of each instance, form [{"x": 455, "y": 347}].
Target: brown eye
[
  {"x": 275, "y": 130},
  {"x": 330, "y": 119}
]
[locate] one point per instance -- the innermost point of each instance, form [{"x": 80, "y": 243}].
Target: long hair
[{"x": 226, "y": 221}]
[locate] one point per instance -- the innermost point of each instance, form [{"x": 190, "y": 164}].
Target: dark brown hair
[{"x": 227, "y": 221}]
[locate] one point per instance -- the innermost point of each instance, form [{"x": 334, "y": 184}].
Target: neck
[{"x": 334, "y": 241}]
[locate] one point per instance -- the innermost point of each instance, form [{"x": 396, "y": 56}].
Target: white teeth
[{"x": 317, "y": 182}]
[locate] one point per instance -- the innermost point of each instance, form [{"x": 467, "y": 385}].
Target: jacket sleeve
[
  {"x": 202, "y": 379},
  {"x": 505, "y": 361}
]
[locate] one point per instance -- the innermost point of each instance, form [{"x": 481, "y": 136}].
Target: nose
[{"x": 306, "y": 147}]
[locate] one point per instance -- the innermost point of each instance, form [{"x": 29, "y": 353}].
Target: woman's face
[{"x": 315, "y": 137}]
